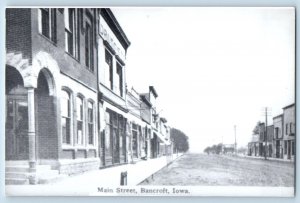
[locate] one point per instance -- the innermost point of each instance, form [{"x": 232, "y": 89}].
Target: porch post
[{"x": 31, "y": 136}]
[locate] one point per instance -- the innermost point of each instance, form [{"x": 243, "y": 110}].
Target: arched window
[
  {"x": 91, "y": 123},
  {"x": 66, "y": 117},
  {"x": 80, "y": 121}
]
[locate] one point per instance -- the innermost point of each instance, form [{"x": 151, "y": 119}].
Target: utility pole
[
  {"x": 266, "y": 131},
  {"x": 235, "y": 150},
  {"x": 222, "y": 151}
]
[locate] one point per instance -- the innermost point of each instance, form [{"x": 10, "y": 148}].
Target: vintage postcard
[{"x": 150, "y": 101}]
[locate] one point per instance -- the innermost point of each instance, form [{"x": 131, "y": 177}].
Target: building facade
[
  {"x": 51, "y": 70},
  {"x": 278, "y": 135},
  {"x": 112, "y": 47},
  {"x": 269, "y": 143},
  {"x": 280, "y": 139},
  {"x": 289, "y": 133},
  {"x": 68, "y": 109}
]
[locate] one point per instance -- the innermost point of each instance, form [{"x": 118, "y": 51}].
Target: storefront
[{"x": 113, "y": 140}]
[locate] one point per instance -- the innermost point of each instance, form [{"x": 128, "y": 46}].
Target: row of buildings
[
  {"x": 67, "y": 102},
  {"x": 276, "y": 140}
]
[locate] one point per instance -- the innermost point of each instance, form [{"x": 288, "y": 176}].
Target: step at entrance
[{"x": 19, "y": 174}]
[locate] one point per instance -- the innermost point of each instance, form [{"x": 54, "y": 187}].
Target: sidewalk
[
  {"x": 84, "y": 184},
  {"x": 269, "y": 158}
]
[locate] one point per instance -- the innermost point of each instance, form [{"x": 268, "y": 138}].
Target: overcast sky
[{"x": 213, "y": 68}]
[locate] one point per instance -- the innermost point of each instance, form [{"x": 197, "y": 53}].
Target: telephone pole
[
  {"x": 266, "y": 135},
  {"x": 235, "y": 150}
]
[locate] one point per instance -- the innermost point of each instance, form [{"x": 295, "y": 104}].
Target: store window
[
  {"x": 285, "y": 147},
  {"x": 108, "y": 127},
  {"x": 122, "y": 135},
  {"x": 47, "y": 23},
  {"x": 135, "y": 140},
  {"x": 79, "y": 109},
  {"x": 66, "y": 117}
]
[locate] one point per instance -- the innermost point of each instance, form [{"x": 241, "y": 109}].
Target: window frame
[
  {"x": 70, "y": 117},
  {"x": 109, "y": 62},
  {"x": 91, "y": 122},
  {"x": 70, "y": 30},
  {"x": 285, "y": 146},
  {"x": 51, "y": 24},
  {"x": 79, "y": 97},
  {"x": 88, "y": 38},
  {"x": 119, "y": 71}
]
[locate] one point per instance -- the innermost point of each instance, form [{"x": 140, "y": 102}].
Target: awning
[{"x": 160, "y": 137}]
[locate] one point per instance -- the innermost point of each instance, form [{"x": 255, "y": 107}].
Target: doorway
[{"x": 16, "y": 123}]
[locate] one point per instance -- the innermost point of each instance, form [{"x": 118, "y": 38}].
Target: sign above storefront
[{"x": 110, "y": 38}]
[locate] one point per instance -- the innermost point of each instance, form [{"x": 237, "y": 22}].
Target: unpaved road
[{"x": 211, "y": 170}]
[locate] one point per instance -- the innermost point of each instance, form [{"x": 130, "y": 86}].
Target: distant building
[
  {"x": 279, "y": 141},
  {"x": 269, "y": 143},
  {"x": 261, "y": 140},
  {"x": 278, "y": 136},
  {"x": 253, "y": 145},
  {"x": 289, "y": 135},
  {"x": 228, "y": 148}
]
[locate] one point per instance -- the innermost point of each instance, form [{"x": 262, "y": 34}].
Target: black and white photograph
[{"x": 150, "y": 101}]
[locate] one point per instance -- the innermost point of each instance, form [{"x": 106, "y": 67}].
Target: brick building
[
  {"x": 278, "y": 135},
  {"x": 289, "y": 132},
  {"x": 68, "y": 109},
  {"x": 51, "y": 89}
]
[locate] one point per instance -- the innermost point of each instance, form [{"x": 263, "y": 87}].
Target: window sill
[
  {"x": 73, "y": 57},
  {"x": 48, "y": 39},
  {"x": 78, "y": 147},
  {"x": 91, "y": 71},
  {"x": 112, "y": 91}
]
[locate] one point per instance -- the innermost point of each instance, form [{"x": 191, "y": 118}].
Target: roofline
[
  {"x": 115, "y": 27},
  {"x": 288, "y": 106},
  {"x": 280, "y": 115},
  {"x": 145, "y": 100},
  {"x": 152, "y": 89},
  {"x": 163, "y": 119}
]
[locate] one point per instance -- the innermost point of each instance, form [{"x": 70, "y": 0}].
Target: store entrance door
[{"x": 16, "y": 128}]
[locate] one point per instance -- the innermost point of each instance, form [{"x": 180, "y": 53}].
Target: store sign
[{"x": 106, "y": 33}]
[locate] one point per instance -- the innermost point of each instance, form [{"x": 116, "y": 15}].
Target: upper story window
[
  {"x": 276, "y": 132},
  {"x": 71, "y": 32},
  {"x": 292, "y": 129},
  {"x": 66, "y": 117},
  {"x": 120, "y": 79},
  {"x": 79, "y": 108},
  {"x": 89, "y": 47},
  {"x": 286, "y": 128},
  {"x": 91, "y": 123},
  {"x": 47, "y": 23},
  {"x": 109, "y": 70}
]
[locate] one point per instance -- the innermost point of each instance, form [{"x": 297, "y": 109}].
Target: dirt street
[{"x": 208, "y": 170}]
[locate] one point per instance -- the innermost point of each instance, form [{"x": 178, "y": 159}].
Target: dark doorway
[
  {"x": 16, "y": 125},
  {"x": 46, "y": 126}
]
